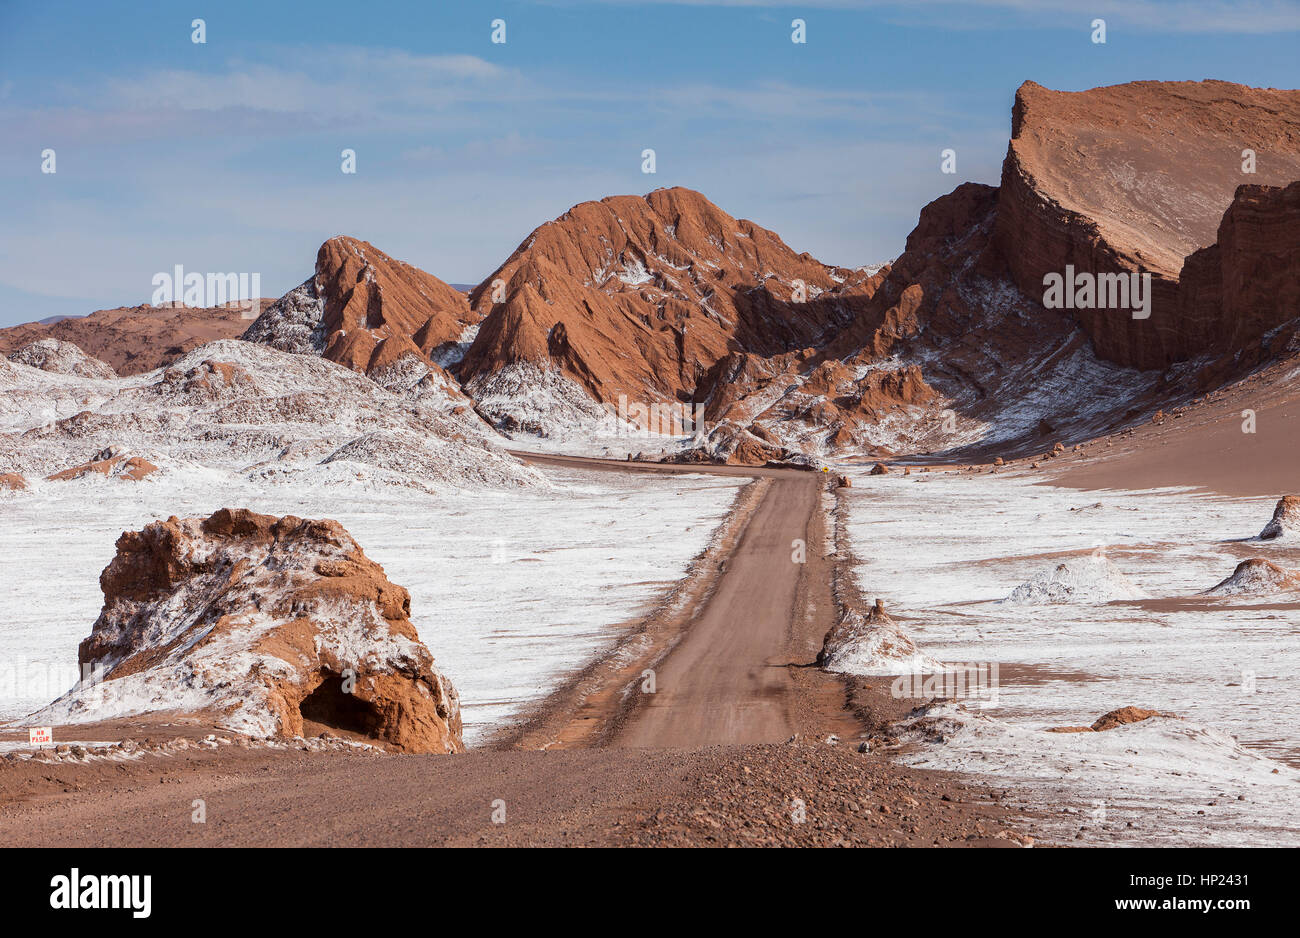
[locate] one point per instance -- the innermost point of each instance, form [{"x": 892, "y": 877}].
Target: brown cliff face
[
  {"x": 644, "y": 295},
  {"x": 1248, "y": 282},
  {"x": 366, "y": 310},
  {"x": 1114, "y": 180},
  {"x": 1136, "y": 177}
]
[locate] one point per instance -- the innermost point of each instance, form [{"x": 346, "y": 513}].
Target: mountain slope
[
  {"x": 642, "y": 296},
  {"x": 363, "y": 309}
]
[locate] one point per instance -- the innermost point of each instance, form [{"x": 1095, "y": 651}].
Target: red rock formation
[
  {"x": 368, "y": 292},
  {"x": 1248, "y": 282},
  {"x": 1109, "y": 721},
  {"x": 668, "y": 299},
  {"x": 1256, "y": 577},
  {"x": 1122, "y": 717},
  {"x": 1136, "y": 177},
  {"x": 642, "y": 296},
  {"x": 132, "y": 469},
  {"x": 366, "y": 310},
  {"x": 12, "y": 481},
  {"x": 1122, "y": 179},
  {"x": 268, "y": 625}
]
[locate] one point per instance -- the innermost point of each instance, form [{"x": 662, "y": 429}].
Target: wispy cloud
[{"x": 339, "y": 79}]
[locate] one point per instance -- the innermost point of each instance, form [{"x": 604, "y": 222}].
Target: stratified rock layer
[{"x": 1136, "y": 177}]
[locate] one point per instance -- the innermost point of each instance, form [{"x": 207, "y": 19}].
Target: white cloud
[{"x": 329, "y": 80}]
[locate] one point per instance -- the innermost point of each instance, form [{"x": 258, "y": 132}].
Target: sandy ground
[
  {"x": 733, "y": 747},
  {"x": 599, "y": 797},
  {"x": 1205, "y": 445}
]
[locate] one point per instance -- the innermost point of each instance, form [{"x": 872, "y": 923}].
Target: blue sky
[{"x": 226, "y": 156}]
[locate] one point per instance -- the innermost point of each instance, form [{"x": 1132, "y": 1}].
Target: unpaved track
[
  {"x": 729, "y": 679},
  {"x": 732, "y": 669}
]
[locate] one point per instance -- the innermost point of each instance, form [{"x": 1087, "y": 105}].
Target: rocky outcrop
[
  {"x": 368, "y": 311},
  {"x": 1115, "y": 180},
  {"x": 1256, "y": 577},
  {"x": 111, "y": 464},
  {"x": 1122, "y": 717},
  {"x": 61, "y": 358},
  {"x": 666, "y": 299},
  {"x": 12, "y": 481},
  {"x": 1247, "y": 283},
  {"x": 1285, "y": 522},
  {"x": 1135, "y": 178},
  {"x": 259, "y": 414},
  {"x": 1112, "y": 720},
  {"x": 268, "y": 626},
  {"x": 730, "y": 444}
]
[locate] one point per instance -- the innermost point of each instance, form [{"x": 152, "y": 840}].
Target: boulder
[
  {"x": 268, "y": 626},
  {"x": 879, "y": 469},
  {"x": 1123, "y": 716},
  {"x": 1111, "y": 720}
]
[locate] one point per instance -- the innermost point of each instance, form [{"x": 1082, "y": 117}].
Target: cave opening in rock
[{"x": 329, "y": 707}]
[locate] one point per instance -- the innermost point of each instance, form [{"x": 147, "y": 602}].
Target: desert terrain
[{"x": 665, "y": 534}]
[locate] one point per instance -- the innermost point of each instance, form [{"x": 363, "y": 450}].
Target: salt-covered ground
[
  {"x": 509, "y": 589},
  {"x": 969, "y": 563}
]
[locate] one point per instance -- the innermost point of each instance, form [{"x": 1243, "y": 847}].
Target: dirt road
[
  {"x": 701, "y": 760},
  {"x": 729, "y": 678},
  {"x": 730, "y": 654}
]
